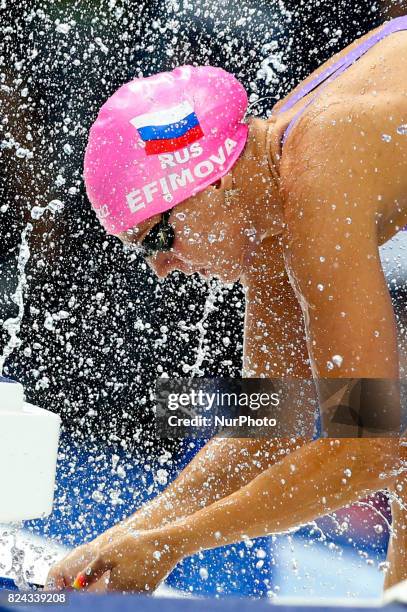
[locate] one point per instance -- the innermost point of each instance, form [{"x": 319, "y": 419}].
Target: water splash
[
  {"x": 9, "y": 539},
  {"x": 23, "y": 558},
  {"x": 13, "y": 325},
  {"x": 196, "y": 368},
  {"x": 17, "y": 560}
]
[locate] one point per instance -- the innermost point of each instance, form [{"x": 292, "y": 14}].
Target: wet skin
[{"x": 300, "y": 228}]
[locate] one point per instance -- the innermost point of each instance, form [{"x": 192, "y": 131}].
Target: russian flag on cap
[{"x": 168, "y": 130}]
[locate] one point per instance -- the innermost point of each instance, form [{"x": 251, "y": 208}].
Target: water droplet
[
  {"x": 22, "y": 153},
  {"x": 37, "y": 212},
  {"x": 55, "y": 206},
  {"x": 121, "y": 472},
  {"x": 63, "y": 28},
  {"x": 98, "y": 496},
  {"x": 162, "y": 476},
  {"x": 386, "y": 137},
  {"x": 402, "y": 129}
]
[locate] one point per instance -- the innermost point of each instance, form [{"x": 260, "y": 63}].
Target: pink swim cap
[{"x": 160, "y": 140}]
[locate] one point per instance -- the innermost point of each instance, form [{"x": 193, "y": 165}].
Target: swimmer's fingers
[
  {"x": 94, "y": 571},
  {"x": 59, "y": 578},
  {"x": 63, "y": 572},
  {"x": 136, "y": 564}
]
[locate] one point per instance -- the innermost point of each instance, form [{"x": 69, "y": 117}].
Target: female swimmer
[{"x": 295, "y": 208}]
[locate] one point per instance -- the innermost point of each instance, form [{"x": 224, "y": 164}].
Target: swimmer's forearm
[
  {"x": 218, "y": 470},
  {"x": 318, "y": 478},
  {"x": 278, "y": 347}
]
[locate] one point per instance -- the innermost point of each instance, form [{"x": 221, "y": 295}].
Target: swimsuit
[{"x": 332, "y": 72}]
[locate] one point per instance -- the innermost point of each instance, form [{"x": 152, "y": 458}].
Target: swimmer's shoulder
[
  {"x": 279, "y": 121},
  {"x": 277, "y": 107}
]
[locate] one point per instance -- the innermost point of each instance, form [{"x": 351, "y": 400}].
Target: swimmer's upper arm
[
  {"x": 274, "y": 343},
  {"x": 332, "y": 257}
]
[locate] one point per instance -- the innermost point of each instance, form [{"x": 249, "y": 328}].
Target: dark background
[
  {"x": 95, "y": 362},
  {"x": 98, "y": 328}
]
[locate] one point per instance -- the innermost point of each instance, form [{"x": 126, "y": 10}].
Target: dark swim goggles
[{"x": 160, "y": 238}]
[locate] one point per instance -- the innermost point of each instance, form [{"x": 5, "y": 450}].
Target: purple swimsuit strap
[{"x": 333, "y": 71}]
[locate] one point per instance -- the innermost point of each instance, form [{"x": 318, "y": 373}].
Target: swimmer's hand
[
  {"x": 63, "y": 573},
  {"x": 131, "y": 561}
]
